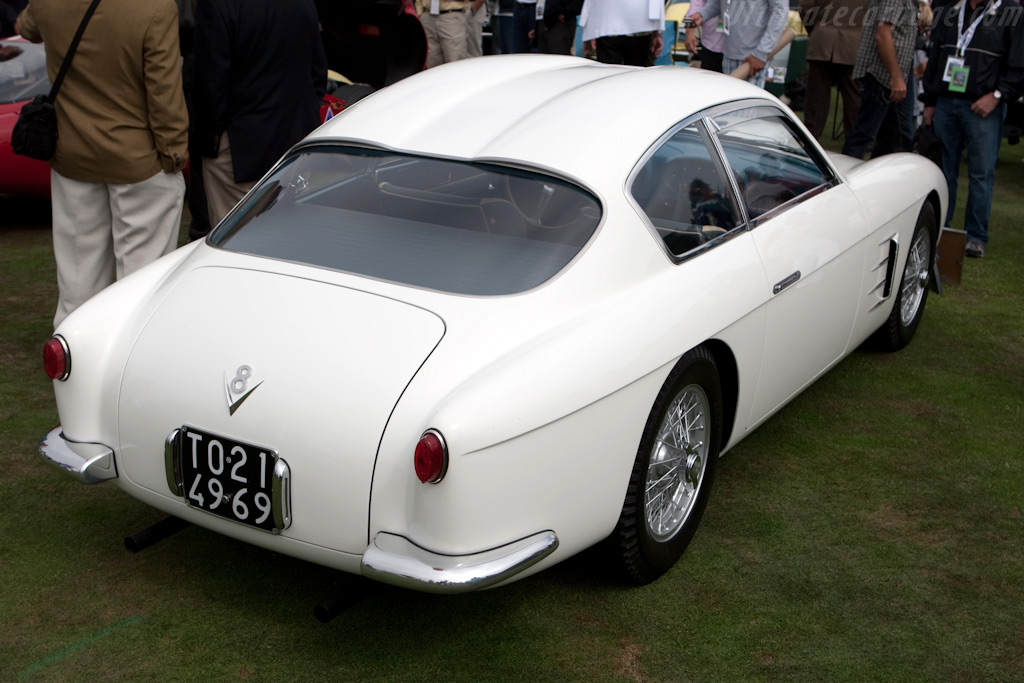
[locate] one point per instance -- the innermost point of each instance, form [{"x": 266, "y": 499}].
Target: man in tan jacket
[
  {"x": 834, "y": 27},
  {"x": 117, "y": 186}
]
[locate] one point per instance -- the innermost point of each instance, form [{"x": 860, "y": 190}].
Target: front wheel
[
  {"x": 912, "y": 289},
  {"x": 674, "y": 468}
]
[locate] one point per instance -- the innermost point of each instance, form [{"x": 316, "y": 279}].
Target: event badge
[
  {"x": 951, "y": 64},
  {"x": 958, "y": 80},
  {"x": 539, "y": 15},
  {"x": 723, "y": 24},
  {"x": 435, "y": 7}
]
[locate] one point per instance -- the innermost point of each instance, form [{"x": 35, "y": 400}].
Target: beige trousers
[
  {"x": 475, "y": 30},
  {"x": 106, "y": 231},
  {"x": 446, "y": 37},
  {"x": 222, "y": 192}
]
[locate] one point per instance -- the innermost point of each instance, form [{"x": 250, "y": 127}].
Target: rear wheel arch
[
  {"x": 673, "y": 470},
  {"x": 933, "y": 199},
  {"x": 728, "y": 374}
]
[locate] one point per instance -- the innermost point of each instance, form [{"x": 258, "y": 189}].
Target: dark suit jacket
[
  {"x": 260, "y": 75},
  {"x": 9, "y": 10}
]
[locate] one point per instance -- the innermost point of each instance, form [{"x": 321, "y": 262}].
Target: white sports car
[{"x": 492, "y": 315}]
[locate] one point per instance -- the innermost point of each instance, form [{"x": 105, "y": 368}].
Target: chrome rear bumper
[
  {"x": 90, "y": 463},
  {"x": 397, "y": 560}
]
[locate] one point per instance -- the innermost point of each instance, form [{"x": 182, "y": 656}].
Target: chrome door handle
[{"x": 786, "y": 283}]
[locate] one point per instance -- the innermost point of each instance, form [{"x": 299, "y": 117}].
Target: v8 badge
[{"x": 237, "y": 388}]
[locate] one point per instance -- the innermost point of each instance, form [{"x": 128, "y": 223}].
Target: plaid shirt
[{"x": 901, "y": 15}]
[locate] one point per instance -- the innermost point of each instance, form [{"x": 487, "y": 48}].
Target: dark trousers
[
  {"x": 631, "y": 50},
  {"x": 504, "y": 33},
  {"x": 710, "y": 60},
  {"x": 821, "y": 78},
  {"x": 524, "y": 20},
  {"x": 558, "y": 38},
  {"x": 889, "y": 124},
  {"x": 195, "y": 191}
]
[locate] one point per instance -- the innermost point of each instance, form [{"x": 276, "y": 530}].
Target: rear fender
[{"x": 100, "y": 333}]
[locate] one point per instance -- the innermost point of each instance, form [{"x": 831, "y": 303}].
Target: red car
[{"x": 22, "y": 77}]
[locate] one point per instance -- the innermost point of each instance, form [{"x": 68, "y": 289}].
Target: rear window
[{"x": 456, "y": 227}]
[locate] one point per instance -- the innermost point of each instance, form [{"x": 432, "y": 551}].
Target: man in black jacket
[
  {"x": 260, "y": 74},
  {"x": 975, "y": 66}
]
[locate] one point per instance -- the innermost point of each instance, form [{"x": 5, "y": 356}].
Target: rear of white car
[{"x": 255, "y": 384}]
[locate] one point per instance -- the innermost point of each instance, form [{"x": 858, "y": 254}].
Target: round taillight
[
  {"x": 57, "y": 358},
  {"x": 431, "y": 459}
]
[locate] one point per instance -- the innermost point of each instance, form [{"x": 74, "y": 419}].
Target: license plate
[{"x": 236, "y": 480}]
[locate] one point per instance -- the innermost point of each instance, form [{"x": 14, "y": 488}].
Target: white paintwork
[
  {"x": 300, "y": 360},
  {"x": 541, "y": 396}
]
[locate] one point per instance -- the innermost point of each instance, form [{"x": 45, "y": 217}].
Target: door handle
[{"x": 786, "y": 283}]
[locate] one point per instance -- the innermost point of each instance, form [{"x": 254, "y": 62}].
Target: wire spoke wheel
[
  {"x": 915, "y": 277},
  {"x": 673, "y": 470},
  {"x": 677, "y": 463},
  {"x": 911, "y": 292}
]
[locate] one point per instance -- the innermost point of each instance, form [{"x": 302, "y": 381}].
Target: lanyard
[{"x": 963, "y": 39}]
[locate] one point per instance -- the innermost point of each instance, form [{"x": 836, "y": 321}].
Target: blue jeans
[
  {"x": 878, "y": 120},
  {"x": 959, "y": 127}
]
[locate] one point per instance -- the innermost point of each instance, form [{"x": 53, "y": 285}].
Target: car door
[{"x": 808, "y": 229}]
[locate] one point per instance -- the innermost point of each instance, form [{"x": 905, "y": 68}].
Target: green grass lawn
[{"x": 870, "y": 531}]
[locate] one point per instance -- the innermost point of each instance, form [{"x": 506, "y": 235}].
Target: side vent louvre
[
  {"x": 890, "y": 250},
  {"x": 890, "y": 268}
]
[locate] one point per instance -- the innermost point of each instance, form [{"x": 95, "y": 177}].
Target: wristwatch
[{"x": 996, "y": 94}]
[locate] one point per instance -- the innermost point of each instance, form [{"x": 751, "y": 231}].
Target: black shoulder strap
[{"x": 71, "y": 50}]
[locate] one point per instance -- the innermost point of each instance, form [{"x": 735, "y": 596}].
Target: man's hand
[
  {"x": 657, "y": 42},
  {"x": 898, "y": 89},
  {"x": 691, "y": 42},
  {"x": 887, "y": 51},
  {"x": 985, "y": 105},
  {"x": 755, "y": 64},
  {"x": 929, "y": 116},
  {"x": 698, "y": 20}
]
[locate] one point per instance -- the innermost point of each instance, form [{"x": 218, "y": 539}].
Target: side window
[
  {"x": 772, "y": 164},
  {"x": 684, "y": 193}
]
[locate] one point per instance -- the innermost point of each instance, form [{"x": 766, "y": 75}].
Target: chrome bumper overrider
[
  {"x": 88, "y": 462},
  {"x": 396, "y": 560}
]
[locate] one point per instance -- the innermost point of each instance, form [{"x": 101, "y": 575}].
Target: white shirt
[{"x": 621, "y": 17}]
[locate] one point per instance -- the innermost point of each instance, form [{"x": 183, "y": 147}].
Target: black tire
[
  {"x": 648, "y": 544},
  {"x": 912, "y": 286}
]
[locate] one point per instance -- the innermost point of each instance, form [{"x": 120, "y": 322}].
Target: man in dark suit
[{"x": 260, "y": 73}]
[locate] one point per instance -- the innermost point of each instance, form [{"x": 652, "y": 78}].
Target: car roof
[{"x": 575, "y": 116}]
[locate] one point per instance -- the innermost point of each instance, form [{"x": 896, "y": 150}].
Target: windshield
[
  {"x": 22, "y": 71},
  {"x": 451, "y": 226}
]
